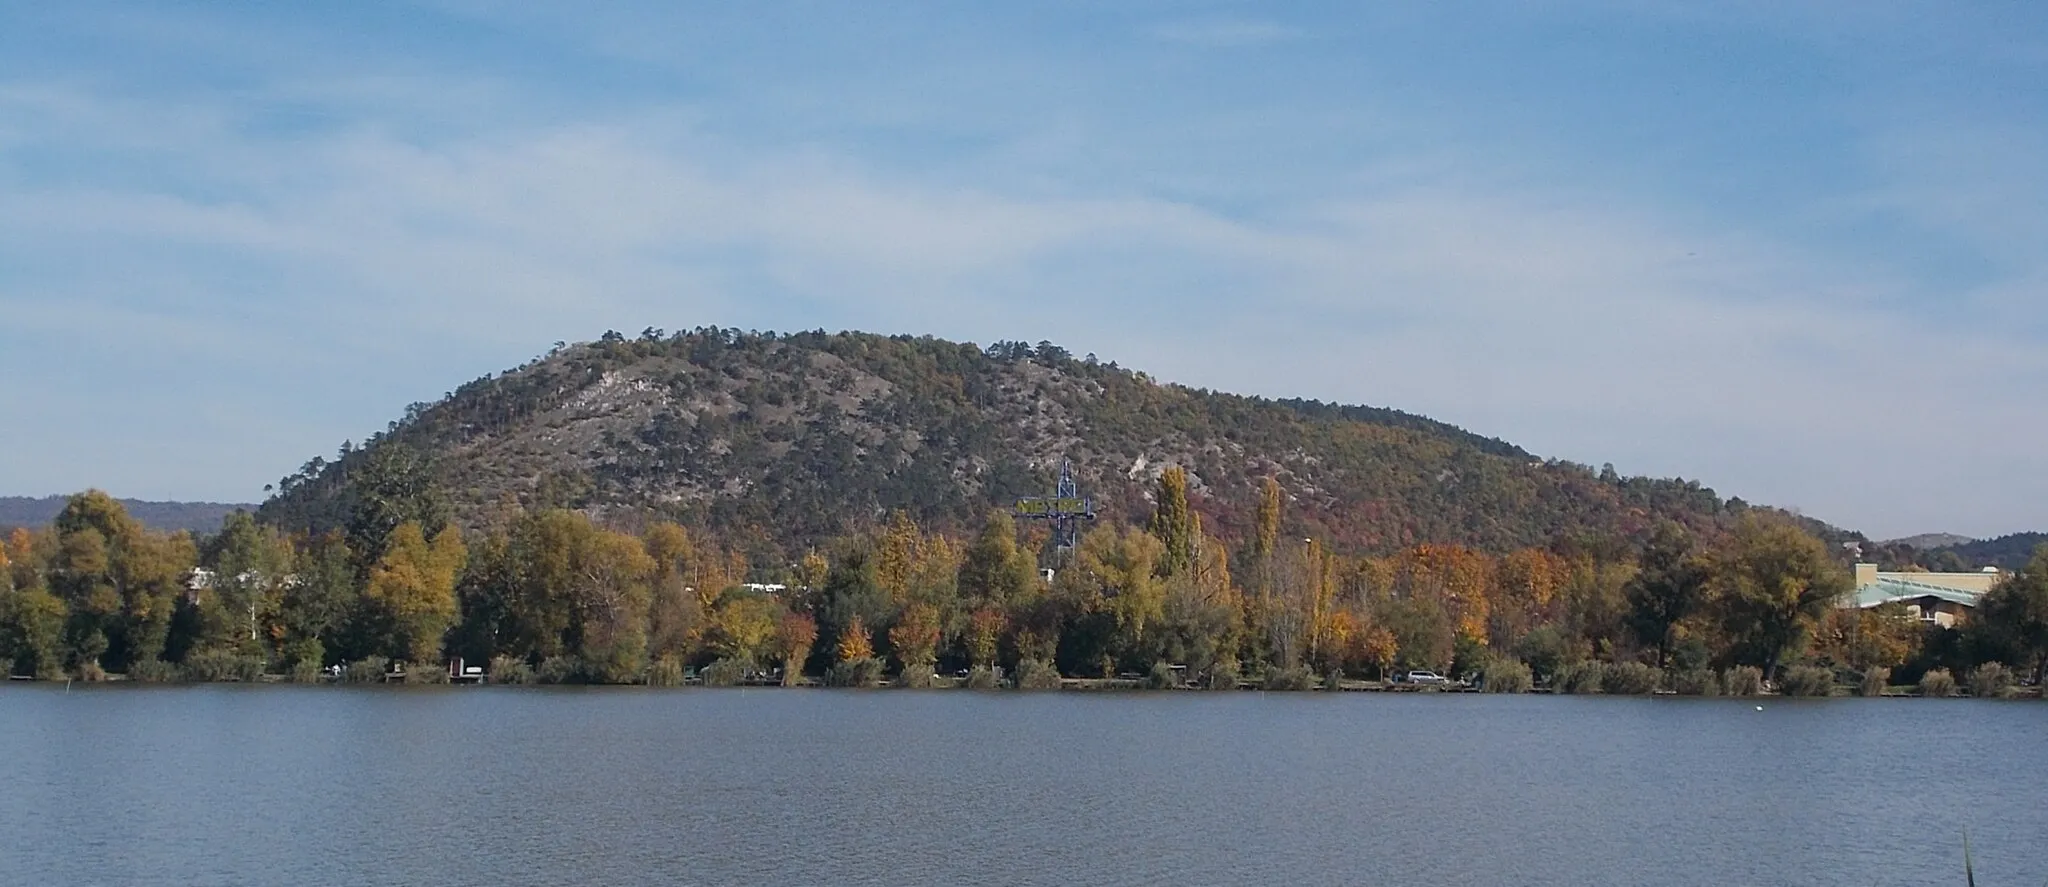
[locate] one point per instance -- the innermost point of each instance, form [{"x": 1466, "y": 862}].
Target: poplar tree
[{"x": 1172, "y": 523}]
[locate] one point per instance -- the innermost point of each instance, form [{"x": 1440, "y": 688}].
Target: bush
[
  {"x": 1505, "y": 674},
  {"x": 510, "y": 670},
  {"x": 865, "y": 672},
  {"x": 305, "y": 671},
  {"x": 304, "y": 650},
  {"x": 1806, "y": 680},
  {"x": 425, "y": 674},
  {"x": 1875, "y": 680},
  {"x": 1334, "y": 681},
  {"x": 1161, "y": 677},
  {"x": 1589, "y": 676},
  {"x": 559, "y": 670},
  {"x": 90, "y": 672},
  {"x": 1992, "y": 680},
  {"x": 1938, "y": 683},
  {"x": 918, "y": 675},
  {"x": 1629, "y": 679},
  {"x": 667, "y": 671},
  {"x": 1288, "y": 679},
  {"x": 208, "y": 666},
  {"x": 725, "y": 673},
  {"x": 1694, "y": 682},
  {"x": 1743, "y": 680},
  {"x": 152, "y": 671},
  {"x": 368, "y": 670},
  {"x": 1035, "y": 675},
  {"x": 982, "y": 677},
  {"x": 1222, "y": 675}
]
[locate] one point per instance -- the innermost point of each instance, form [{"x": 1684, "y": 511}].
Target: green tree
[
  {"x": 2011, "y": 621},
  {"x": 118, "y": 582},
  {"x": 993, "y": 570},
  {"x": 1774, "y": 582},
  {"x": 1670, "y": 586},
  {"x": 1172, "y": 524}
]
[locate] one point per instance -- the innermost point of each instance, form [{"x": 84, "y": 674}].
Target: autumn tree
[
  {"x": 984, "y": 634},
  {"x": 794, "y": 635},
  {"x": 744, "y": 626},
  {"x": 854, "y": 644},
  {"x": 675, "y": 615},
  {"x": 915, "y": 638},
  {"x": 414, "y": 584}
]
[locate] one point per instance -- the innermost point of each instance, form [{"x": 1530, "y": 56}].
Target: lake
[{"x": 224, "y": 785}]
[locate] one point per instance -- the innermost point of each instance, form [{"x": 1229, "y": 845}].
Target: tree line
[{"x": 551, "y": 594}]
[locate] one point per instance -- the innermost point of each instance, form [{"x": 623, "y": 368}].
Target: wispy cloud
[
  {"x": 1222, "y": 32},
  {"x": 255, "y": 290}
]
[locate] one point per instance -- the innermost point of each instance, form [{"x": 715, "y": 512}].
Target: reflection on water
[{"x": 348, "y": 786}]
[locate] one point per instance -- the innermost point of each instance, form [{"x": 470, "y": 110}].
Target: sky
[{"x": 1795, "y": 251}]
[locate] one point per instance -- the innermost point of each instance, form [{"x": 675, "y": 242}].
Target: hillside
[
  {"x": 2010, "y": 552},
  {"x": 791, "y": 439},
  {"x": 198, "y": 517}
]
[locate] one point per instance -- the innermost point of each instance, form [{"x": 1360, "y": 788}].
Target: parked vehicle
[{"x": 1420, "y": 676}]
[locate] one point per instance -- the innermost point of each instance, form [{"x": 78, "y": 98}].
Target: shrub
[
  {"x": 1288, "y": 679},
  {"x": 918, "y": 675},
  {"x": 1806, "y": 680},
  {"x": 90, "y": 672},
  {"x": 864, "y": 672},
  {"x": 1694, "y": 682},
  {"x": 368, "y": 670},
  {"x": 1222, "y": 675},
  {"x": 667, "y": 671},
  {"x": 725, "y": 673},
  {"x": 558, "y": 670},
  {"x": 1629, "y": 679},
  {"x": 1938, "y": 683},
  {"x": 152, "y": 671},
  {"x": 1035, "y": 675},
  {"x": 1875, "y": 680},
  {"x": 425, "y": 674},
  {"x": 1992, "y": 680},
  {"x": 1334, "y": 681},
  {"x": 1161, "y": 677},
  {"x": 221, "y": 665},
  {"x": 305, "y": 671},
  {"x": 983, "y": 677},
  {"x": 1506, "y": 674},
  {"x": 304, "y": 650},
  {"x": 1589, "y": 676},
  {"x": 1743, "y": 680},
  {"x": 510, "y": 670}
]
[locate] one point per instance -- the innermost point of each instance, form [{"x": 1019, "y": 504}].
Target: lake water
[{"x": 226, "y": 785}]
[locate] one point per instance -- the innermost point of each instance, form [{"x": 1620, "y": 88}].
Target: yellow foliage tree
[
  {"x": 414, "y": 582},
  {"x": 854, "y": 644}
]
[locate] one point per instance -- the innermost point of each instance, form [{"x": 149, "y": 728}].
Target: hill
[
  {"x": 787, "y": 440},
  {"x": 1925, "y": 541},
  {"x": 198, "y": 517},
  {"x": 2010, "y": 552}
]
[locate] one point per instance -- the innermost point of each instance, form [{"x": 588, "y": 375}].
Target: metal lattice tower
[{"x": 1065, "y": 509}]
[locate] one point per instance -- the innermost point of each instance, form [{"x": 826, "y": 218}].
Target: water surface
[{"x": 224, "y": 785}]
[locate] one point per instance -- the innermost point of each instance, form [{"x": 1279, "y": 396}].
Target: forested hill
[
  {"x": 780, "y": 441},
  {"x": 199, "y": 517}
]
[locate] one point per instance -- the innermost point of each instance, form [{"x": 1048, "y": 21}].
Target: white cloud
[{"x": 322, "y": 279}]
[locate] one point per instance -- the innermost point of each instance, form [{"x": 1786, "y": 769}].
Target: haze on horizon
[{"x": 1793, "y": 251}]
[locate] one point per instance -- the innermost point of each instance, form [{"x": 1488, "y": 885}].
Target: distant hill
[
  {"x": 786, "y": 440},
  {"x": 2009, "y": 552},
  {"x": 1925, "y": 541},
  {"x": 199, "y": 517}
]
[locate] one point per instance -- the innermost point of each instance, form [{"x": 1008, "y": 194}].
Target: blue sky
[{"x": 1796, "y": 251}]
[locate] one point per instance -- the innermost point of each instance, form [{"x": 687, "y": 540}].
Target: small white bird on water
[{"x": 1759, "y": 708}]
